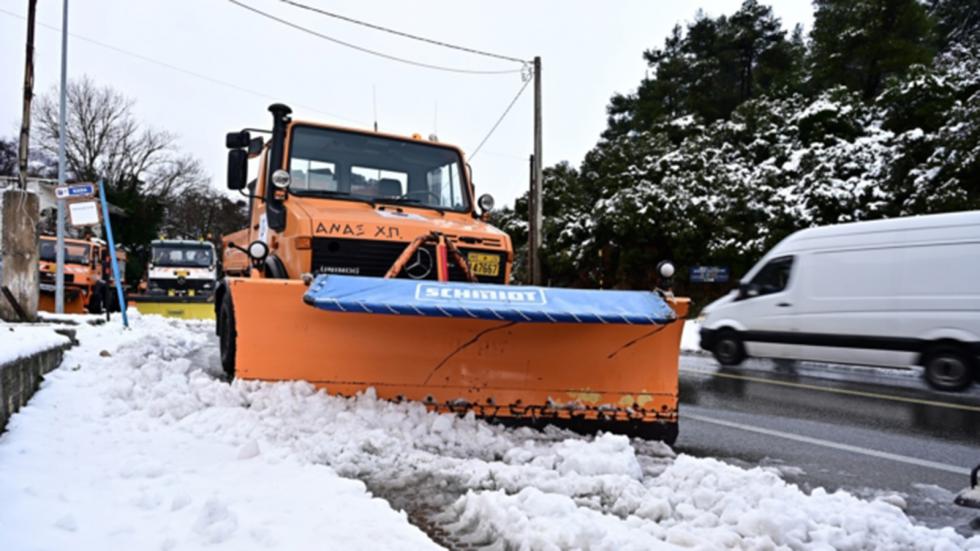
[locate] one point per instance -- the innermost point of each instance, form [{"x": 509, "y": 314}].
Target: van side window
[{"x": 774, "y": 276}]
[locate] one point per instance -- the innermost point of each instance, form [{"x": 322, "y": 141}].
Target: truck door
[{"x": 767, "y": 309}]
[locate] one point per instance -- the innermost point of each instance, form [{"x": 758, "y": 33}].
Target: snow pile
[
  {"x": 703, "y": 504},
  {"x": 691, "y": 337},
  {"x": 142, "y": 447},
  {"x": 107, "y": 456},
  {"x": 20, "y": 341}
]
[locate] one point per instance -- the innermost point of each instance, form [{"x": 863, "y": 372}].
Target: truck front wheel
[{"x": 227, "y": 334}]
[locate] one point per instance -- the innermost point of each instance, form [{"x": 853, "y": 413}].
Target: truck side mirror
[
  {"x": 255, "y": 147},
  {"x": 237, "y": 169},
  {"x": 236, "y": 140}
]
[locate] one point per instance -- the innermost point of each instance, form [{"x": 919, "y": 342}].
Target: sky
[{"x": 216, "y": 68}]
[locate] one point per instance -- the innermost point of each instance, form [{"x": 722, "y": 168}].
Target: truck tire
[
  {"x": 948, "y": 367},
  {"x": 227, "y": 335},
  {"x": 728, "y": 348}
]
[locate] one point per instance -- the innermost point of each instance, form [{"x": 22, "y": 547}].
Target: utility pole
[
  {"x": 531, "y": 209},
  {"x": 25, "y": 124},
  {"x": 534, "y": 227},
  {"x": 59, "y": 276}
]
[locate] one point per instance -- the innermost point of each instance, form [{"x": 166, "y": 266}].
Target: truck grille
[
  {"x": 365, "y": 257},
  {"x": 180, "y": 286}
]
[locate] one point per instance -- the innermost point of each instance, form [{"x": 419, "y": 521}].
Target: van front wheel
[
  {"x": 948, "y": 367},
  {"x": 728, "y": 349}
]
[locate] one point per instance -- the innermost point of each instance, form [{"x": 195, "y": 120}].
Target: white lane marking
[
  {"x": 819, "y": 388},
  {"x": 834, "y": 445}
]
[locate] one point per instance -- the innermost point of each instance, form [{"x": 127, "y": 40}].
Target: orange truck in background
[
  {"x": 234, "y": 262},
  {"x": 357, "y": 208},
  {"x": 86, "y": 274}
]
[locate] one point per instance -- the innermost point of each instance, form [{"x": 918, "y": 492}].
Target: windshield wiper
[{"x": 410, "y": 201}]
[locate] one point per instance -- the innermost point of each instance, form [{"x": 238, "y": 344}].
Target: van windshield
[{"x": 337, "y": 163}]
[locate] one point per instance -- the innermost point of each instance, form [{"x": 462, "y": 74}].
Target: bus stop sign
[{"x": 74, "y": 190}]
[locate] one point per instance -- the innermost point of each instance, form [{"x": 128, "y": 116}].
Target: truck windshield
[
  {"x": 374, "y": 168},
  {"x": 74, "y": 253},
  {"x": 194, "y": 256}
]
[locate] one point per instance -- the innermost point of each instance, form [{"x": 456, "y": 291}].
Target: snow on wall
[
  {"x": 141, "y": 447},
  {"x": 20, "y": 341}
]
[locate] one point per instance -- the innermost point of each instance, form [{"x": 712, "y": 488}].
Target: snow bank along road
[{"x": 134, "y": 443}]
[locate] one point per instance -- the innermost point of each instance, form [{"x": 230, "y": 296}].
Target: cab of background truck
[
  {"x": 333, "y": 200},
  {"x": 81, "y": 261},
  {"x": 180, "y": 267}
]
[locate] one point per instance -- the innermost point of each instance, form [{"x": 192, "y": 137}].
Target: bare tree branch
[{"x": 104, "y": 139}]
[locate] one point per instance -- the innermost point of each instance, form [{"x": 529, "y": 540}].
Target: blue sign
[
  {"x": 709, "y": 274},
  {"x": 75, "y": 190}
]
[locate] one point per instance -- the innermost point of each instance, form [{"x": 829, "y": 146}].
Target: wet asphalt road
[{"x": 869, "y": 431}]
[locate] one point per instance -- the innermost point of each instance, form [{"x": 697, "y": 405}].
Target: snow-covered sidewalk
[{"x": 135, "y": 444}]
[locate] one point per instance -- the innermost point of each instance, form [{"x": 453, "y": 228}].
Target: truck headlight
[
  {"x": 258, "y": 250},
  {"x": 485, "y": 202},
  {"x": 280, "y": 179}
]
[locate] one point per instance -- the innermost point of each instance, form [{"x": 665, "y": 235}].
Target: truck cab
[
  {"x": 181, "y": 268},
  {"x": 332, "y": 200}
]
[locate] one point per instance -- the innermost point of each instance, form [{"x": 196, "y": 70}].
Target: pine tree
[
  {"x": 957, "y": 21},
  {"x": 860, "y": 43}
]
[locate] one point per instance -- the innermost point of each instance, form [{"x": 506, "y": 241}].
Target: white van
[{"x": 897, "y": 293}]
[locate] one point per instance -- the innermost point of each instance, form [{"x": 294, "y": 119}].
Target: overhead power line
[
  {"x": 402, "y": 34},
  {"x": 499, "y": 120},
  {"x": 187, "y": 72},
  {"x": 369, "y": 51}
]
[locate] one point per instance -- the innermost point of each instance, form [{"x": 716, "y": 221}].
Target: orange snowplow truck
[
  {"x": 367, "y": 265},
  {"x": 86, "y": 274}
]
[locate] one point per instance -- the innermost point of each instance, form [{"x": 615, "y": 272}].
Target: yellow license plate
[{"x": 484, "y": 264}]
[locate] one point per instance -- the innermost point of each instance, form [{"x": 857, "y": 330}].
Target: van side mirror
[
  {"x": 237, "y": 169},
  {"x": 747, "y": 290}
]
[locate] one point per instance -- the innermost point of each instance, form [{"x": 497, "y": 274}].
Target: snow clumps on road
[{"x": 143, "y": 447}]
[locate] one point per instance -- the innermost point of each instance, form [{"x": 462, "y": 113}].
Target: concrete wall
[
  {"x": 18, "y": 251},
  {"x": 20, "y": 378}
]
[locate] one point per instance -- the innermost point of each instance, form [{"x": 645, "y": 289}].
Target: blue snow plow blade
[{"x": 485, "y": 301}]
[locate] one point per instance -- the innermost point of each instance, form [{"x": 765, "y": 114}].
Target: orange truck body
[{"x": 617, "y": 377}]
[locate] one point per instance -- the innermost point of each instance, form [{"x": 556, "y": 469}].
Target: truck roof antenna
[{"x": 374, "y": 105}]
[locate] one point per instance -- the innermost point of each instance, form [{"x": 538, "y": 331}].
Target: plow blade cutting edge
[
  {"x": 182, "y": 308},
  {"x": 585, "y": 360}
]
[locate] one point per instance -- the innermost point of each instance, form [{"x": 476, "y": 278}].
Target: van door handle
[{"x": 783, "y": 304}]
